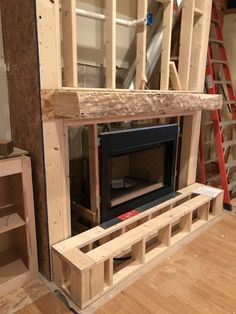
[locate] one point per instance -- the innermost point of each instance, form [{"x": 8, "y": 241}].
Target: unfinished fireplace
[{"x": 137, "y": 168}]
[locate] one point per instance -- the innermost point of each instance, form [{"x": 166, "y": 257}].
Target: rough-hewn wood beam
[{"x": 102, "y": 103}]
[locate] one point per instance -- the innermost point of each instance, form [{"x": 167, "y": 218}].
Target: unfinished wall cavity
[
  {"x": 5, "y": 132},
  {"x": 230, "y": 44}
]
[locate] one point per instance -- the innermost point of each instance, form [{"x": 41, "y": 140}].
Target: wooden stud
[
  {"x": 54, "y": 141},
  {"x": 29, "y": 213},
  {"x": 97, "y": 279},
  {"x": 217, "y": 204},
  {"x": 48, "y": 24},
  {"x": 174, "y": 77},
  {"x": 94, "y": 171},
  {"x": 186, "y": 37},
  {"x": 108, "y": 271},
  {"x": 200, "y": 45},
  {"x": 80, "y": 286},
  {"x": 196, "y": 78},
  {"x": 138, "y": 251},
  {"x": 141, "y": 46},
  {"x": 203, "y": 212},
  {"x": 110, "y": 25},
  {"x": 57, "y": 186},
  {"x": 185, "y": 222},
  {"x": 68, "y": 9},
  {"x": 166, "y": 44},
  {"x": 189, "y": 156},
  {"x": 164, "y": 235}
]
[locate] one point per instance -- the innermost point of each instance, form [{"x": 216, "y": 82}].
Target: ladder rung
[
  {"x": 208, "y": 142},
  {"x": 228, "y": 122},
  {"x": 218, "y": 61},
  {"x": 231, "y": 164},
  {"x": 215, "y": 21},
  {"x": 174, "y": 58},
  {"x": 216, "y": 41},
  {"x": 228, "y": 143},
  {"x": 208, "y": 123},
  {"x": 231, "y": 186},
  {"x": 211, "y": 160},
  {"x": 222, "y": 82},
  {"x": 229, "y": 102},
  {"x": 213, "y": 178}
]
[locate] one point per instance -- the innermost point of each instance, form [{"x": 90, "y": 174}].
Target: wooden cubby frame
[
  {"x": 18, "y": 253},
  {"x": 33, "y": 53}
]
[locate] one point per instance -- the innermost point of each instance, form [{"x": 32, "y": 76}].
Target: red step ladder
[{"x": 218, "y": 81}]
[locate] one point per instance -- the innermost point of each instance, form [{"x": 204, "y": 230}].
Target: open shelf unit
[{"x": 18, "y": 255}]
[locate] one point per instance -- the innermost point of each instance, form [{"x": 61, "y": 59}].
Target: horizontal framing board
[
  {"x": 10, "y": 166},
  {"x": 82, "y": 104},
  {"x": 96, "y": 233}
]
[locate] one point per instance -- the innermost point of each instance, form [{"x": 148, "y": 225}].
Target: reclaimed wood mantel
[{"x": 100, "y": 104}]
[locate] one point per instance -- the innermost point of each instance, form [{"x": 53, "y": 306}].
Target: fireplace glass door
[{"x": 137, "y": 167}]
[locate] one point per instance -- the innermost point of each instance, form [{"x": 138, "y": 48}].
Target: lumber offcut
[
  {"x": 6, "y": 147},
  {"x": 97, "y": 104}
]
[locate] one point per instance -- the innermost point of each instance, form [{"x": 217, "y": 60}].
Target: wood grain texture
[
  {"x": 20, "y": 49},
  {"x": 97, "y": 104},
  {"x": 199, "y": 278},
  {"x": 49, "y": 304},
  {"x": 22, "y": 297}
]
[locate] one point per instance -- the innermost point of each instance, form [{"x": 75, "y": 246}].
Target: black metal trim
[{"x": 122, "y": 142}]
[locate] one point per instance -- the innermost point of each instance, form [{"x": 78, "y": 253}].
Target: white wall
[
  {"x": 5, "y": 132},
  {"x": 90, "y": 33}
]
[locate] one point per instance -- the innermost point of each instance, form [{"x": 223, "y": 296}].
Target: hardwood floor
[
  {"x": 48, "y": 304},
  {"x": 199, "y": 278}
]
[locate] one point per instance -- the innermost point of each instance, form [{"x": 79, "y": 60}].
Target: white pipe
[
  {"x": 102, "y": 17},
  {"x": 153, "y": 50}
]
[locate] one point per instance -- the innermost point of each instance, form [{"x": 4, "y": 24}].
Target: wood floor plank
[
  {"x": 199, "y": 278},
  {"x": 47, "y": 304}
]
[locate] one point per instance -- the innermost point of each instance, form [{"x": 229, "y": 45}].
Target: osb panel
[{"x": 20, "y": 48}]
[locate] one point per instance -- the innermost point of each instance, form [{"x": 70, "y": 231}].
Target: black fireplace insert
[{"x": 137, "y": 168}]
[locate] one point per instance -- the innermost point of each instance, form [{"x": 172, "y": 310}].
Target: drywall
[
  {"x": 5, "y": 132},
  {"x": 230, "y": 43}
]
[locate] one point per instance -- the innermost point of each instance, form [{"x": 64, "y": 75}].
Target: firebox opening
[
  {"x": 136, "y": 173},
  {"x": 137, "y": 169}
]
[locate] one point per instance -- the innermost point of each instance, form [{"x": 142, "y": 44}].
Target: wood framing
[
  {"x": 21, "y": 55},
  {"x": 198, "y": 34},
  {"x": 18, "y": 249},
  {"x": 174, "y": 77},
  {"x": 166, "y": 44},
  {"x": 141, "y": 46},
  {"x": 69, "y": 43},
  {"x": 110, "y": 43},
  {"x": 186, "y": 39},
  {"x": 29, "y": 48},
  {"x": 87, "y": 266},
  {"x": 103, "y": 103},
  {"x": 94, "y": 173},
  {"x": 54, "y": 135}
]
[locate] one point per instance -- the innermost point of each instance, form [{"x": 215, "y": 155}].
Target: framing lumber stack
[{"x": 63, "y": 105}]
